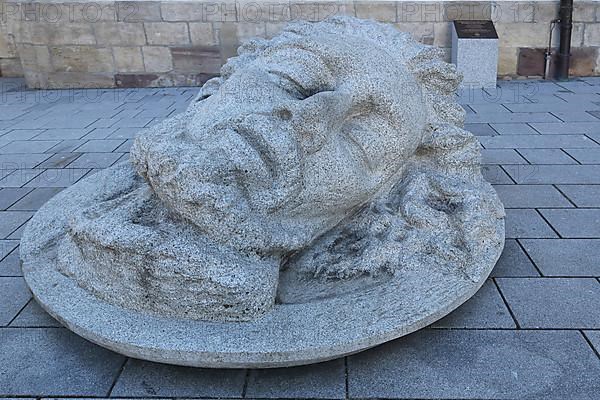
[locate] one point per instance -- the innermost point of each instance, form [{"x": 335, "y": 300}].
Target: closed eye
[{"x": 292, "y": 86}]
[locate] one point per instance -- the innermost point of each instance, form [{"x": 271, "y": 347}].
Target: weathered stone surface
[
  {"x": 315, "y": 177},
  {"x": 380, "y": 11},
  {"x": 202, "y": 33},
  {"x": 225, "y": 11},
  {"x": 42, "y": 32},
  {"x": 134, "y": 11},
  {"x": 119, "y": 33},
  {"x": 157, "y": 59},
  {"x": 167, "y": 33},
  {"x": 128, "y": 59},
  {"x": 81, "y": 59},
  {"x": 198, "y": 59}
]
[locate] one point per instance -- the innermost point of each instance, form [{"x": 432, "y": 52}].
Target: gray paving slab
[
  {"x": 582, "y": 195},
  {"x": 33, "y": 316},
  {"x": 54, "y": 362},
  {"x": 536, "y": 142},
  {"x": 526, "y": 223},
  {"x": 495, "y": 174},
  {"x": 554, "y": 174},
  {"x": 577, "y": 86},
  {"x": 490, "y": 96},
  {"x": 594, "y": 338},
  {"x": 531, "y": 196},
  {"x": 57, "y": 177},
  {"x": 478, "y": 364},
  {"x": 99, "y": 133},
  {"x": 513, "y": 262},
  {"x": 546, "y": 156},
  {"x": 22, "y": 134},
  {"x": 553, "y": 303},
  {"x": 514, "y": 128},
  {"x": 62, "y": 134},
  {"x": 501, "y": 156},
  {"x": 132, "y": 122},
  {"x": 6, "y": 247},
  {"x": 142, "y": 378},
  {"x": 11, "y": 220},
  {"x": 103, "y": 123},
  {"x": 21, "y": 160},
  {"x": 95, "y": 160},
  {"x": 19, "y": 177},
  {"x": 574, "y": 223},
  {"x": 488, "y": 108},
  {"x": 485, "y": 309},
  {"x": 317, "y": 381},
  {"x": 11, "y": 265},
  {"x": 67, "y": 146},
  {"x": 100, "y": 145},
  {"x": 69, "y": 121},
  {"x": 566, "y": 128},
  {"x": 578, "y": 116},
  {"x": 9, "y": 196},
  {"x": 585, "y": 156},
  {"x": 579, "y": 98},
  {"x": 565, "y": 257},
  {"x": 59, "y": 160},
  {"x": 33, "y": 200},
  {"x": 125, "y": 133},
  {"x": 124, "y": 148},
  {"x": 540, "y": 116},
  {"x": 14, "y": 295},
  {"x": 26, "y": 146},
  {"x": 556, "y": 107}
]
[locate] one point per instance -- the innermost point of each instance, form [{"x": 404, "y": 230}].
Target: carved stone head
[
  {"x": 299, "y": 132},
  {"x": 326, "y": 167}
]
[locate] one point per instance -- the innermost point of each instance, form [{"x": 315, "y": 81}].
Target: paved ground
[{"x": 533, "y": 331}]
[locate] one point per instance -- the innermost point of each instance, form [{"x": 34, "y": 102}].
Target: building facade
[{"x": 63, "y": 43}]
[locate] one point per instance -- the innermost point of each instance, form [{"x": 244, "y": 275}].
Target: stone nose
[{"x": 317, "y": 117}]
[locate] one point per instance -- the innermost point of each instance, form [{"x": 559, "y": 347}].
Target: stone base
[
  {"x": 289, "y": 334},
  {"x": 476, "y": 59}
]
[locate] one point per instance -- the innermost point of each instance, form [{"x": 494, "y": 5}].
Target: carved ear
[
  {"x": 209, "y": 88},
  {"x": 435, "y": 74}
]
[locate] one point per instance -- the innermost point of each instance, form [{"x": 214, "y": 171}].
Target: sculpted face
[
  {"x": 293, "y": 141},
  {"x": 324, "y": 173}
]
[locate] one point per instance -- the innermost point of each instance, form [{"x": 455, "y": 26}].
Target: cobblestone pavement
[{"x": 532, "y": 331}]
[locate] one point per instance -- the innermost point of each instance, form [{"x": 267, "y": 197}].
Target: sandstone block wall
[{"x": 58, "y": 43}]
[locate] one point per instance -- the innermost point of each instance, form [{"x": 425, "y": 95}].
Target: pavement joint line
[
  {"x": 555, "y": 186},
  {"x": 346, "y": 380},
  {"x": 573, "y": 158},
  {"x": 548, "y": 223},
  {"x": 589, "y": 342},
  {"x": 19, "y": 199},
  {"x": 510, "y": 311},
  {"x": 539, "y": 271},
  {"x": 117, "y": 376},
  {"x": 503, "y": 169},
  {"x": 20, "y": 311},
  {"x": 246, "y": 382},
  {"x": 591, "y": 138}
]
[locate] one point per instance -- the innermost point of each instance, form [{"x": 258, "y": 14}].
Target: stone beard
[{"x": 327, "y": 164}]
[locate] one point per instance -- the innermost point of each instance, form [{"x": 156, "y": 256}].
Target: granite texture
[{"x": 315, "y": 177}]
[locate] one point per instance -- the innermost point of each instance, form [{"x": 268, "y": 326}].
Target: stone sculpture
[{"x": 318, "y": 198}]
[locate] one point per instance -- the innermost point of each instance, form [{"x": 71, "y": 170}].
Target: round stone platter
[{"x": 290, "y": 334}]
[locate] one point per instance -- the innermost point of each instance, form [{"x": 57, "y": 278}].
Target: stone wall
[
  {"x": 173, "y": 42},
  {"x": 10, "y": 65}
]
